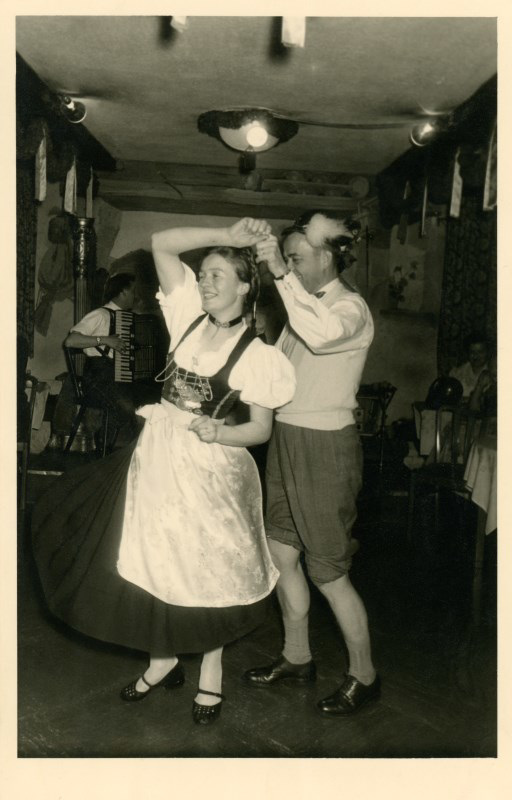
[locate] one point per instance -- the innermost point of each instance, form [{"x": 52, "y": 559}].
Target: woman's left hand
[{"x": 205, "y": 428}]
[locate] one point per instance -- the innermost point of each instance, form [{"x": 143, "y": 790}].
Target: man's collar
[{"x": 327, "y": 286}]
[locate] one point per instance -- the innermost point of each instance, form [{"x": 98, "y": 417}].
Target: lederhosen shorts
[{"x": 313, "y": 478}]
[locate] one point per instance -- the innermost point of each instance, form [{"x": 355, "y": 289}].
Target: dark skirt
[{"x": 76, "y": 532}]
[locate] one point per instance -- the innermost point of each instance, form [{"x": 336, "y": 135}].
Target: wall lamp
[
  {"x": 426, "y": 132},
  {"x": 73, "y": 110}
]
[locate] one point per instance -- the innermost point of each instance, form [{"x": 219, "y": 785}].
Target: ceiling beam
[
  {"x": 212, "y": 175},
  {"x": 220, "y": 201},
  {"x": 224, "y": 191}
]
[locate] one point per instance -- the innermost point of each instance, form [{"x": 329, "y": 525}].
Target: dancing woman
[{"x": 163, "y": 549}]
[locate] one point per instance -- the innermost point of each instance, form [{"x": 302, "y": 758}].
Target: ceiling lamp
[
  {"x": 249, "y": 131},
  {"x": 73, "y": 110}
]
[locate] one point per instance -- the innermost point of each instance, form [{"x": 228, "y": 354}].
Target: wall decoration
[
  {"x": 406, "y": 272},
  {"x": 55, "y": 276}
]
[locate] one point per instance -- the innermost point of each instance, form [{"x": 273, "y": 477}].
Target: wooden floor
[{"x": 438, "y": 671}]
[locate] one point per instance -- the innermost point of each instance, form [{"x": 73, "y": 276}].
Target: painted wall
[
  {"x": 405, "y": 343},
  {"x": 137, "y": 227}
]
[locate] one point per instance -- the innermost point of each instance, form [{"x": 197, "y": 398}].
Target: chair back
[{"x": 75, "y": 360}]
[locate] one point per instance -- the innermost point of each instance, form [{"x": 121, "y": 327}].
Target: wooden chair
[
  {"x": 370, "y": 415},
  {"x": 28, "y": 402},
  {"x": 75, "y": 360}
]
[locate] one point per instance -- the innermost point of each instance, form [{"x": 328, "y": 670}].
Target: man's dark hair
[{"x": 116, "y": 284}]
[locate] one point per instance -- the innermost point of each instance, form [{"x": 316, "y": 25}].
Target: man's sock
[
  {"x": 360, "y": 662},
  {"x": 296, "y": 641}
]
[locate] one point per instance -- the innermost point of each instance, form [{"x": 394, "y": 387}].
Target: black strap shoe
[
  {"x": 173, "y": 679},
  {"x": 350, "y": 697},
  {"x": 205, "y": 715},
  {"x": 280, "y": 670}
]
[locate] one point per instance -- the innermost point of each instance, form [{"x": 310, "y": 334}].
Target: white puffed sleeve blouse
[{"x": 263, "y": 375}]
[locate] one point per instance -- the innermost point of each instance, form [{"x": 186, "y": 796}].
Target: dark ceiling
[{"x": 145, "y": 85}]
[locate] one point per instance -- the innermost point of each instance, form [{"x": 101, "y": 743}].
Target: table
[{"x": 480, "y": 476}]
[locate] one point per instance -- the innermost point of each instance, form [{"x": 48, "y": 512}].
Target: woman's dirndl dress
[{"x": 161, "y": 546}]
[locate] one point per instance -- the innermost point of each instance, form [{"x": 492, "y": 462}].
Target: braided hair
[
  {"x": 242, "y": 259},
  {"x": 329, "y": 230}
]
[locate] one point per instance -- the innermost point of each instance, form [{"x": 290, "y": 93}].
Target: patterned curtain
[
  {"x": 26, "y": 233},
  {"x": 469, "y": 293}
]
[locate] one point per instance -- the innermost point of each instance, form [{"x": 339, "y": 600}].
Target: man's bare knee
[
  {"x": 284, "y": 556},
  {"x": 336, "y": 587}
]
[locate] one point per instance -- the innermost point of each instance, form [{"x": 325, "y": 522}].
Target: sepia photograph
[{"x": 234, "y": 233}]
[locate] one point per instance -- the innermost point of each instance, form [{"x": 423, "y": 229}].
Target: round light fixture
[
  {"x": 257, "y": 135},
  {"x": 252, "y": 135},
  {"x": 247, "y": 129}
]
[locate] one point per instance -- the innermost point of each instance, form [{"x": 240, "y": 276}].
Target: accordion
[{"x": 140, "y": 332}]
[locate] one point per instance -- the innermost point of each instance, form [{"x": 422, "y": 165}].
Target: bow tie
[{"x": 319, "y": 294}]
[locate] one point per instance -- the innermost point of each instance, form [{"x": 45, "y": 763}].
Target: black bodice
[{"x": 200, "y": 395}]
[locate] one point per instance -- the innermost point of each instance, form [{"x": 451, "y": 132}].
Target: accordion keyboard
[{"x": 138, "y": 362}]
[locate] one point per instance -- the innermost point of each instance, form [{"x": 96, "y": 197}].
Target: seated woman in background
[
  {"x": 172, "y": 558},
  {"x": 477, "y": 349}
]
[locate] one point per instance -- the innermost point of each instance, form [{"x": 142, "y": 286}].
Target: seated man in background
[
  {"x": 94, "y": 335},
  {"x": 484, "y": 397}
]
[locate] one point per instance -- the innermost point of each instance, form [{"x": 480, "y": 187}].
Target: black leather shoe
[
  {"x": 205, "y": 715},
  {"x": 174, "y": 678},
  {"x": 280, "y": 670},
  {"x": 350, "y": 697}
]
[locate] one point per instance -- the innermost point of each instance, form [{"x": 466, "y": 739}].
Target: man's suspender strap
[{"x": 104, "y": 351}]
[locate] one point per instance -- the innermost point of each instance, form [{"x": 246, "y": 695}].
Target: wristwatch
[
  {"x": 98, "y": 339},
  {"x": 279, "y": 277}
]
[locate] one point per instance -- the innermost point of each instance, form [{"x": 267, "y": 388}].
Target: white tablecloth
[{"x": 481, "y": 478}]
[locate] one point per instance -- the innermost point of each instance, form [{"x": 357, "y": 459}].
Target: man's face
[
  {"x": 305, "y": 261},
  {"x": 128, "y": 296},
  {"x": 477, "y": 355}
]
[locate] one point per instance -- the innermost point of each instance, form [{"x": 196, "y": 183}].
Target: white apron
[{"x": 193, "y": 530}]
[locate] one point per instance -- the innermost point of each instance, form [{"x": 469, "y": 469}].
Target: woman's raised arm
[{"x": 169, "y": 244}]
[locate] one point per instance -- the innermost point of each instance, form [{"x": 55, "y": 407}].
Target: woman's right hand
[
  {"x": 205, "y": 429},
  {"x": 248, "y": 231}
]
